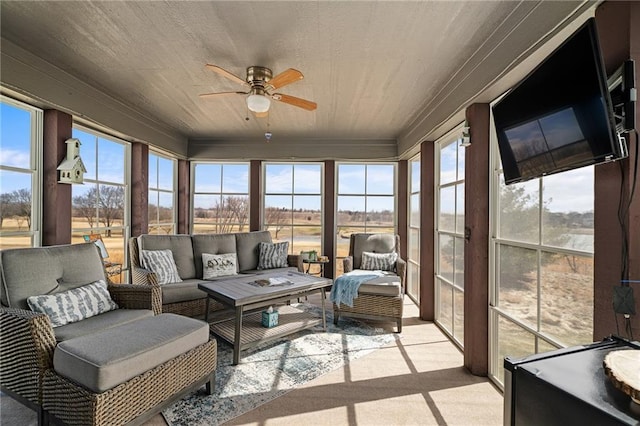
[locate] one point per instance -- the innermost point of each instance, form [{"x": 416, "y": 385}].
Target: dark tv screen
[{"x": 560, "y": 116}]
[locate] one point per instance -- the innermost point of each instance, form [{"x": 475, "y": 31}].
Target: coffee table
[{"x": 246, "y": 297}]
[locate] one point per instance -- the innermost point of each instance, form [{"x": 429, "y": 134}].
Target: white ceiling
[{"x": 390, "y": 70}]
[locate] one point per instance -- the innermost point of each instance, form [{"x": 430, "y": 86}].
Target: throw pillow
[
  {"x": 161, "y": 263},
  {"x": 273, "y": 255},
  {"x": 75, "y": 304},
  {"x": 218, "y": 265},
  {"x": 378, "y": 261}
]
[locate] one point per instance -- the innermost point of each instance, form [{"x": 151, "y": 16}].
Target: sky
[{"x": 568, "y": 191}]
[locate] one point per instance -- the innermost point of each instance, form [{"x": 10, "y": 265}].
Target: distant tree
[
  {"x": 111, "y": 205},
  {"x": 85, "y": 206},
  {"x": 276, "y": 218},
  {"x": 109, "y": 201},
  {"x": 7, "y": 209},
  {"x": 21, "y": 199},
  {"x": 232, "y": 211}
]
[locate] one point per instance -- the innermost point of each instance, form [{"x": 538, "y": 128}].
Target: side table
[{"x": 315, "y": 262}]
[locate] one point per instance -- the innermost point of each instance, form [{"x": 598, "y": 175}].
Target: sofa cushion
[
  {"x": 373, "y": 243},
  {"x": 74, "y": 305},
  {"x": 44, "y": 270},
  {"x": 247, "y": 248},
  {"x": 387, "y": 285},
  {"x": 378, "y": 261},
  {"x": 100, "y": 322},
  {"x": 161, "y": 263},
  {"x": 182, "y": 292},
  {"x": 180, "y": 246},
  {"x": 213, "y": 244},
  {"x": 105, "y": 359},
  {"x": 219, "y": 265},
  {"x": 273, "y": 255},
  {"x": 270, "y": 271}
]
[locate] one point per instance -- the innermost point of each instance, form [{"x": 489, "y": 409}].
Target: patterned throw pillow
[
  {"x": 75, "y": 304},
  {"x": 378, "y": 261},
  {"x": 218, "y": 265},
  {"x": 273, "y": 255},
  {"x": 161, "y": 263}
]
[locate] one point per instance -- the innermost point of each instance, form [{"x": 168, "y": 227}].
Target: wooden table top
[{"x": 245, "y": 290}]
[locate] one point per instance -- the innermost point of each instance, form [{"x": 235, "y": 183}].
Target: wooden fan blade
[
  {"x": 292, "y": 100},
  {"x": 285, "y": 77},
  {"x": 226, "y": 74},
  {"x": 215, "y": 95}
]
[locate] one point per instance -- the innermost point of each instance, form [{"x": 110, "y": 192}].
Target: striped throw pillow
[
  {"x": 75, "y": 304},
  {"x": 273, "y": 255},
  {"x": 378, "y": 261},
  {"x": 161, "y": 263}
]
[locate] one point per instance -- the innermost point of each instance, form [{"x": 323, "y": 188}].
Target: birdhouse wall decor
[{"x": 72, "y": 168}]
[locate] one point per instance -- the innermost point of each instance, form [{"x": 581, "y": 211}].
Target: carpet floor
[
  {"x": 418, "y": 379},
  {"x": 273, "y": 369}
]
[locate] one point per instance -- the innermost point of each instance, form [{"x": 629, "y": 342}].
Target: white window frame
[
  {"x": 35, "y": 170},
  {"x": 173, "y": 191}
]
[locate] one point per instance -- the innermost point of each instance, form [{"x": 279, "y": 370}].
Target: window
[
  {"x": 542, "y": 257},
  {"x": 413, "y": 261},
  {"x": 162, "y": 194},
  {"x": 366, "y": 202},
  {"x": 220, "y": 197},
  {"x": 293, "y": 204},
  {"x": 20, "y": 174},
  {"x": 449, "y": 248},
  {"x": 100, "y": 206}
]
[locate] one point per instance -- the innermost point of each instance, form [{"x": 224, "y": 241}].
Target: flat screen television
[{"x": 560, "y": 116}]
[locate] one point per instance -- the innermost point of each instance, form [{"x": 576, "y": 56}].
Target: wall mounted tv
[{"x": 560, "y": 116}]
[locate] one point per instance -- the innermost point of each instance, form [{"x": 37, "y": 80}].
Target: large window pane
[
  {"x": 365, "y": 200},
  {"x": 293, "y": 205},
  {"x": 458, "y": 315},
  {"x": 513, "y": 341},
  {"x": 567, "y": 218},
  {"x": 460, "y": 208},
  {"x": 100, "y": 205},
  {"x": 351, "y": 211},
  {"x": 566, "y": 298},
  {"x": 220, "y": 198},
  {"x": 19, "y": 175},
  {"x": 518, "y": 212},
  {"x": 308, "y": 179},
  {"x": 351, "y": 179},
  {"x": 446, "y": 251},
  {"x": 380, "y": 179},
  {"x": 445, "y": 304},
  {"x": 518, "y": 281},
  {"x": 446, "y": 214},
  {"x": 448, "y": 164}
]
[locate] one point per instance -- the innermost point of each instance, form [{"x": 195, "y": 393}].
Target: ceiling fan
[{"x": 261, "y": 83}]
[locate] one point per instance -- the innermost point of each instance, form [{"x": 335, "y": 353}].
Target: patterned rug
[{"x": 273, "y": 369}]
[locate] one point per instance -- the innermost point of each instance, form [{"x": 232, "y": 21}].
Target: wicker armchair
[
  {"x": 28, "y": 342},
  {"x": 381, "y": 298}
]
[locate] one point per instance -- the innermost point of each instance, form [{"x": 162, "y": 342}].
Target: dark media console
[{"x": 567, "y": 387}]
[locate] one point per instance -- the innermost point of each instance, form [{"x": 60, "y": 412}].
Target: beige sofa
[
  {"x": 184, "y": 297},
  {"x": 68, "y": 352}
]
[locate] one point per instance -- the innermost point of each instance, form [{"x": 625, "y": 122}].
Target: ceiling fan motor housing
[{"x": 258, "y": 75}]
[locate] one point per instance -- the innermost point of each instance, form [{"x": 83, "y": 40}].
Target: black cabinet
[{"x": 567, "y": 387}]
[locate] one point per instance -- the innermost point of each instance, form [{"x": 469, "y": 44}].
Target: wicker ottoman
[{"x": 122, "y": 374}]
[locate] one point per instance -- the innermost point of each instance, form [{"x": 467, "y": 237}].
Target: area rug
[{"x": 271, "y": 370}]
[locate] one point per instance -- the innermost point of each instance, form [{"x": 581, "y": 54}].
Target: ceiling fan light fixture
[{"x": 258, "y": 103}]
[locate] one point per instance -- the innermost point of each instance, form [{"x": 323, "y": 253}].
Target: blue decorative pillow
[
  {"x": 273, "y": 255},
  {"x": 75, "y": 304},
  {"x": 378, "y": 261},
  {"x": 161, "y": 263}
]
